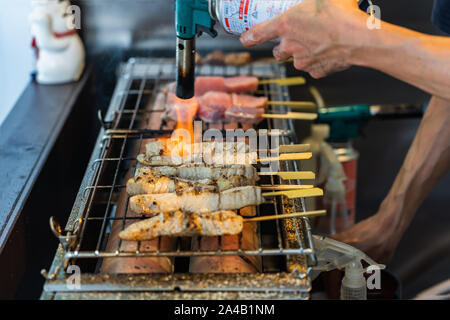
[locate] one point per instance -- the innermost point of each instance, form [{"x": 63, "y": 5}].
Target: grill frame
[{"x": 295, "y": 233}]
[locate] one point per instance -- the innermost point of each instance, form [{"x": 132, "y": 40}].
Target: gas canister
[{"x": 238, "y": 16}]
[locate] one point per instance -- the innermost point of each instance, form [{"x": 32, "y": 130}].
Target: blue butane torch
[{"x": 192, "y": 17}]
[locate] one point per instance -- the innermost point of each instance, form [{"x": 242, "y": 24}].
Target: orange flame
[{"x": 183, "y": 136}]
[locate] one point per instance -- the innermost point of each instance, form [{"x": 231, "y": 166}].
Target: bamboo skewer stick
[
  {"x": 293, "y": 194},
  {"x": 286, "y": 187},
  {"x": 288, "y": 148},
  {"x": 302, "y": 104},
  {"x": 288, "y": 215},
  {"x": 291, "y": 175},
  {"x": 292, "y": 81},
  {"x": 292, "y": 115},
  {"x": 268, "y": 92},
  {"x": 288, "y": 157}
]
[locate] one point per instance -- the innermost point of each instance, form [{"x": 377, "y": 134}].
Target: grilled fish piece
[
  {"x": 203, "y": 201},
  {"x": 212, "y": 106},
  {"x": 217, "y": 223},
  {"x": 148, "y": 183},
  {"x": 152, "y": 204},
  {"x": 240, "y": 197},
  {"x": 201, "y": 171},
  {"x": 159, "y": 147},
  {"x": 157, "y": 171},
  {"x": 212, "y": 153},
  {"x": 233, "y": 182},
  {"x": 222, "y": 159},
  {"x": 154, "y": 148},
  {"x": 160, "y": 160},
  {"x": 230, "y": 158},
  {"x": 196, "y": 201},
  {"x": 244, "y": 114},
  {"x": 173, "y": 223},
  {"x": 248, "y": 240},
  {"x": 229, "y": 84},
  {"x": 180, "y": 224},
  {"x": 145, "y": 182}
]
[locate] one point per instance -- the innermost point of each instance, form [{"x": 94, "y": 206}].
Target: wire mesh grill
[
  {"x": 130, "y": 115},
  {"x": 136, "y": 105}
]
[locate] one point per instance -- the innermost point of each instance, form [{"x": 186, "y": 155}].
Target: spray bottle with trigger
[{"x": 332, "y": 254}]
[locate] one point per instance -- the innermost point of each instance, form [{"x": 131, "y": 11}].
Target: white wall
[{"x": 15, "y": 52}]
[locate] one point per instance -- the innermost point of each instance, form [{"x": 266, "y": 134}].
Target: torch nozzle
[{"x": 185, "y": 75}]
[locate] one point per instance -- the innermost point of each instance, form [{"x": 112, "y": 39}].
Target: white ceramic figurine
[{"x": 59, "y": 50}]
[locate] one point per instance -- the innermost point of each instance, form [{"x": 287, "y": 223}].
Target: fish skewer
[
  {"x": 201, "y": 172},
  {"x": 196, "y": 201},
  {"x": 156, "y": 180},
  {"x": 179, "y": 224},
  {"x": 200, "y": 201},
  {"x": 222, "y": 100},
  {"x": 240, "y": 83},
  {"x": 148, "y": 180},
  {"x": 216, "y": 161},
  {"x": 229, "y": 154},
  {"x": 158, "y": 147},
  {"x": 222, "y": 159},
  {"x": 158, "y": 185}
]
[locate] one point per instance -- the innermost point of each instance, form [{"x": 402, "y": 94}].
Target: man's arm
[
  {"x": 419, "y": 59},
  {"x": 325, "y": 36},
  {"x": 427, "y": 161}
]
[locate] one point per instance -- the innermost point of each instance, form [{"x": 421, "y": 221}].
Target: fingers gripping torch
[{"x": 192, "y": 18}]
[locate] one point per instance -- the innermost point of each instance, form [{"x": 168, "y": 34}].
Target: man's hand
[
  {"x": 427, "y": 161},
  {"x": 320, "y": 35},
  {"x": 374, "y": 236}
]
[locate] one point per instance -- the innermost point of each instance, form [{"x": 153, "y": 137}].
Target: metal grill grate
[{"x": 132, "y": 108}]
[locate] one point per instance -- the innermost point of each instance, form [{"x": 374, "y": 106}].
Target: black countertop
[
  {"x": 45, "y": 143},
  {"x": 26, "y": 137}
]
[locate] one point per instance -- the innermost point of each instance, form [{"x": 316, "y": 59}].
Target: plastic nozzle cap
[
  {"x": 354, "y": 273},
  {"x": 320, "y": 131}
]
